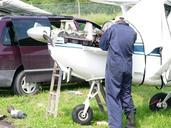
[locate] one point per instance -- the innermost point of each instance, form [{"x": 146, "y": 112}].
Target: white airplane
[{"x": 151, "y": 58}]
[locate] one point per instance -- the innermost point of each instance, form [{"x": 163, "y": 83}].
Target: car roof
[
  {"x": 35, "y": 16},
  {"x": 50, "y": 17}
]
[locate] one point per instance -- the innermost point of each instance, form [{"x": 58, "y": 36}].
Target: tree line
[{"x": 51, "y": 1}]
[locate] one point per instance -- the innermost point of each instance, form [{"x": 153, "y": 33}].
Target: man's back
[{"x": 122, "y": 39}]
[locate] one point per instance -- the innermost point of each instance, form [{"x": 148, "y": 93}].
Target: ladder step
[
  {"x": 53, "y": 94},
  {"x": 57, "y": 75},
  {"x": 57, "y": 68},
  {"x": 51, "y": 112}
]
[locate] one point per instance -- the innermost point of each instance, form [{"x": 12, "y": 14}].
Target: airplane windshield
[{"x": 77, "y": 31}]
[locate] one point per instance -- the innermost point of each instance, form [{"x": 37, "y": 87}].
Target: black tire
[
  {"x": 78, "y": 118},
  {"x": 159, "y": 97},
  {"x": 20, "y": 87}
]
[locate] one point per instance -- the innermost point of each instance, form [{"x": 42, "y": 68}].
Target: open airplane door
[
  {"x": 144, "y": 65},
  {"x": 165, "y": 69},
  {"x": 148, "y": 23}
]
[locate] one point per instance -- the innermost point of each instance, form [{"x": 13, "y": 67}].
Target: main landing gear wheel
[
  {"x": 79, "y": 117},
  {"x": 158, "y": 98}
]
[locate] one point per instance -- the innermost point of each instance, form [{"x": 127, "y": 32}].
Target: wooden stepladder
[{"x": 53, "y": 101}]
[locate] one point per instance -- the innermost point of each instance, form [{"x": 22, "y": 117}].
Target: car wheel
[{"x": 21, "y": 87}]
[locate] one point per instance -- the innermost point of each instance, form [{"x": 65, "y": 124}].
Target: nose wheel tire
[
  {"x": 78, "y": 117},
  {"x": 156, "y": 99}
]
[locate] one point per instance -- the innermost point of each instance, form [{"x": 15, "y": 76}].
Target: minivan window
[
  {"x": 8, "y": 35},
  {"x": 22, "y": 25},
  {"x": 6, "y": 39}
]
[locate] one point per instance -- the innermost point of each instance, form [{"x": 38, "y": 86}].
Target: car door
[
  {"x": 9, "y": 53},
  {"x": 35, "y": 56}
]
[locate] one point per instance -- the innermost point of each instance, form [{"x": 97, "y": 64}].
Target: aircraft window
[
  {"x": 167, "y": 9},
  {"x": 76, "y": 31},
  {"x": 55, "y": 25},
  {"x": 6, "y": 40},
  {"x": 81, "y": 26},
  {"x": 21, "y": 27},
  {"x": 168, "y": 14},
  {"x": 68, "y": 25}
]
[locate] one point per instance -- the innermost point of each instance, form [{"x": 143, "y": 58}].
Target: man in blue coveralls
[{"x": 118, "y": 40}]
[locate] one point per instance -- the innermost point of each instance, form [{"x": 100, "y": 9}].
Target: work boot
[{"x": 130, "y": 120}]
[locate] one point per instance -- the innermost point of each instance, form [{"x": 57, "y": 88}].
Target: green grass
[
  {"x": 35, "y": 107},
  {"x": 99, "y": 18}
]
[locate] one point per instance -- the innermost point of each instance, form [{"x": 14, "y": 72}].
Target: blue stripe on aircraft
[
  {"x": 139, "y": 49},
  {"x": 70, "y": 45}
]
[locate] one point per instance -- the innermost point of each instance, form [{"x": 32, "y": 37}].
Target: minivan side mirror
[{"x": 38, "y": 33}]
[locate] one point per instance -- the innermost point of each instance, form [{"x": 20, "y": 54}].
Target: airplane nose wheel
[
  {"x": 78, "y": 115},
  {"x": 160, "y": 101},
  {"x": 82, "y": 113}
]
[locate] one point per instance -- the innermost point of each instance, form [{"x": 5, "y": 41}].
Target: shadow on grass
[
  {"x": 76, "y": 84},
  {"x": 68, "y": 86},
  {"x": 98, "y": 115},
  {"x": 6, "y": 92}
]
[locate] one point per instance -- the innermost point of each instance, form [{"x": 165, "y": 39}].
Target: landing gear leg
[{"x": 83, "y": 114}]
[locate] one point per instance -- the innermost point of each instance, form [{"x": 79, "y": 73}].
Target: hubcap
[
  {"x": 28, "y": 87},
  {"x": 81, "y": 116}
]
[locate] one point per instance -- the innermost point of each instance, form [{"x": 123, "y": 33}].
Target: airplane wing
[
  {"x": 124, "y": 4},
  {"x": 19, "y": 7},
  {"x": 103, "y": 2},
  {"x": 116, "y": 2}
]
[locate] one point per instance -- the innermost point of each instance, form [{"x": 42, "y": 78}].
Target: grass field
[{"x": 35, "y": 107}]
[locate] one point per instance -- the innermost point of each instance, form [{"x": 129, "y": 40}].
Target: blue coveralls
[{"x": 118, "y": 41}]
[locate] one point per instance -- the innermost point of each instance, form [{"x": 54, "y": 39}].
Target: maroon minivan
[{"x": 24, "y": 61}]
